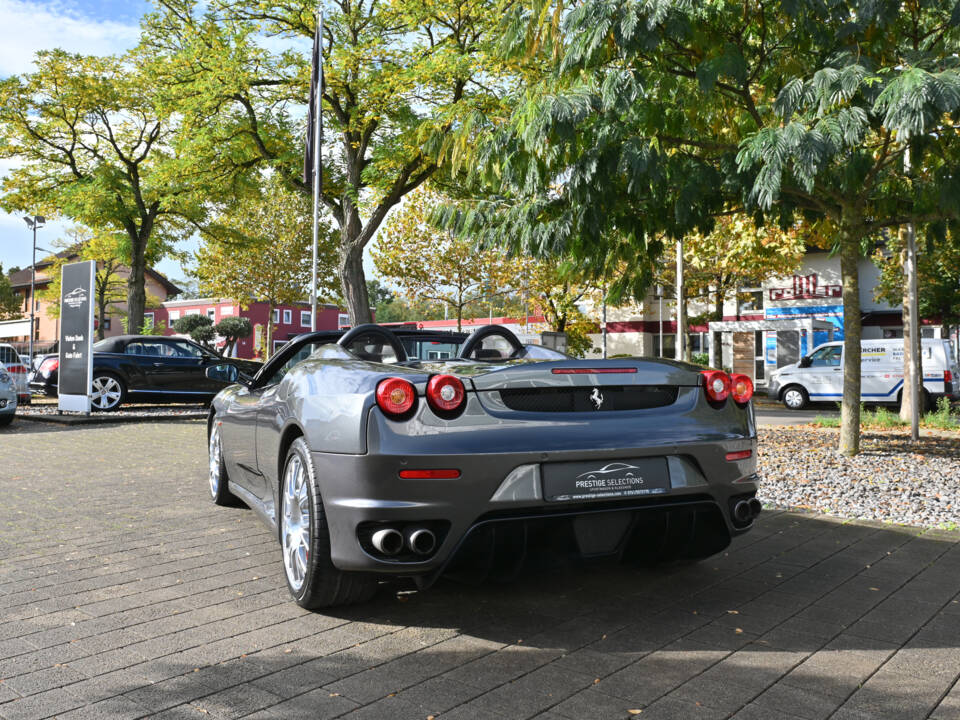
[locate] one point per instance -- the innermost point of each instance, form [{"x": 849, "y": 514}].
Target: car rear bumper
[{"x": 363, "y": 493}]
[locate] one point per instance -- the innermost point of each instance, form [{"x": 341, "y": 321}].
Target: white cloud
[{"x": 27, "y": 27}]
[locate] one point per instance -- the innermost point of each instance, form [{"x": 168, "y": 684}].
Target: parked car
[
  {"x": 8, "y": 398},
  {"x": 11, "y": 363},
  {"x": 369, "y": 465},
  {"x": 818, "y": 377},
  {"x": 145, "y": 368}
]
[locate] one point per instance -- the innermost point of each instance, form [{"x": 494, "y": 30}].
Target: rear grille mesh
[{"x": 567, "y": 399}]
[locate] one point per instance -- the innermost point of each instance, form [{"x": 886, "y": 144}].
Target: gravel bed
[
  {"x": 891, "y": 480},
  {"x": 47, "y": 408}
]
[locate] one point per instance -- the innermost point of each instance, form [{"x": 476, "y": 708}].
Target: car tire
[
  {"x": 6, "y": 419},
  {"x": 109, "y": 392},
  {"x": 794, "y": 397},
  {"x": 219, "y": 482},
  {"x": 313, "y": 580}
]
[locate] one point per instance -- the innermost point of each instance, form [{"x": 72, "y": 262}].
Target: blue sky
[{"x": 83, "y": 26}]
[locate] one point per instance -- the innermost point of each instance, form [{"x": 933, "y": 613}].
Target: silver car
[
  {"x": 8, "y": 398},
  {"x": 369, "y": 465}
]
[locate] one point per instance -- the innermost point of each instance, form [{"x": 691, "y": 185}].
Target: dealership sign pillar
[{"x": 76, "y": 336}]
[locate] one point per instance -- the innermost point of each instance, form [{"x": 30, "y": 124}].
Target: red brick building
[{"x": 288, "y": 320}]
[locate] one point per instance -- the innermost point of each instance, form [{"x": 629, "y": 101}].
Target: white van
[{"x": 818, "y": 377}]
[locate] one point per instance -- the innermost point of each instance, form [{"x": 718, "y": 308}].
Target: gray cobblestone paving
[{"x": 124, "y": 593}]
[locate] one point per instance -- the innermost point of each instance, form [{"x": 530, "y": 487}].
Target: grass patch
[
  {"x": 943, "y": 418},
  {"x": 827, "y": 421}
]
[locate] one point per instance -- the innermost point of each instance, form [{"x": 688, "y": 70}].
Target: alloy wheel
[
  {"x": 296, "y": 522},
  {"x": 106, "y": 392},
  {"x": 215, "y": 455}
]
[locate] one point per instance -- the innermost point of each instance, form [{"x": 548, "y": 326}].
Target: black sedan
[{"x": 145, "y": 368}]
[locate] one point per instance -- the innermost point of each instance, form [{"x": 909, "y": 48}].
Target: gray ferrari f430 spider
[{"x": 406, "y": 453}]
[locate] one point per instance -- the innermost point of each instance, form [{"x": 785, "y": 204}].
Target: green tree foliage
[
  {"x": 661, "y": 114},
  {"x": 107, "y": 250},
  {"x": 11, "y": 304},
  {"x": 261, "y": 250},
  {"x": 432, "y": 265},
  {"x": 232, "y": 330},
  {"x": 92, "y": 144},
  {"x": 199, "y": 327},
  {"x": 399, "y": 78},
  {"x": 938, "y": 274}
]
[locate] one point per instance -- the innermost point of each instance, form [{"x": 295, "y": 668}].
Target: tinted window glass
[
  {"x": 185, "y": 349},
  {"x": 147, "y": 347},
  {"x": 826, "y": 357}
]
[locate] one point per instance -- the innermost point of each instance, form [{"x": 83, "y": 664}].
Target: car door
[
  {"x": 273, "y": 412},
  {"x": 825, "y": 374},
  {"x": 238, "y": 430},
  {"x": 142, "y": 364},
  {"x": 181, "y": 369}
]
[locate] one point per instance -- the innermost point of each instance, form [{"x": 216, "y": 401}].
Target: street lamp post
[{"x": 37, "y": 221}]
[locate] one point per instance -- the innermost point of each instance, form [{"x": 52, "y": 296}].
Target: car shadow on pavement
[{"x": 803, "y": 617}]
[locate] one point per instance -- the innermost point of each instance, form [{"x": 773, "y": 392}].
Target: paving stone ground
[{"x": 124, "y": 593}]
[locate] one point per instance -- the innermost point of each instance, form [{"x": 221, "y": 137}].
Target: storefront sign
[
  {"x": 75, "y": 374},
  {"x": 806, "y": 287}
]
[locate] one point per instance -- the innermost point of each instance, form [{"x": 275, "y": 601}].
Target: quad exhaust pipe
[
  {"x": 746, "y": 510},
  {"x": 418, "y": 540}
]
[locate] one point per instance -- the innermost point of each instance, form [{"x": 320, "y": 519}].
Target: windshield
[{"x": 418, "y": 349}]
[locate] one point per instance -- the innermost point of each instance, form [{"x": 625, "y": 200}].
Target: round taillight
[
  {"x": 395, "y": 396},
  {"x": 445, "y": 393},
  {"x": 717, "y": 385},
  {"x": 741, "y": 388}
]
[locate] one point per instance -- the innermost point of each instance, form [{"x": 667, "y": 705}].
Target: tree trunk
[
  {"x": 850, "y": 409},
  {"x": 101, "y": 313},
  {"x": 353, "y": 281},
  {"x": 136, "y": 293}
]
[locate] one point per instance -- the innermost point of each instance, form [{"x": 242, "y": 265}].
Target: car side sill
[{"x": 254, "y": 503}]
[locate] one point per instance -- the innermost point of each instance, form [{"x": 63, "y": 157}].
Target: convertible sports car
[{"x": 370, "y": 465}]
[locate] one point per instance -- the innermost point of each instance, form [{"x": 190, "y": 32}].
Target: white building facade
[{"x": 774, "y": 324}]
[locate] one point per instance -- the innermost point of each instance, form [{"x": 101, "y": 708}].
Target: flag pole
[{"x": 317, "y": 175}]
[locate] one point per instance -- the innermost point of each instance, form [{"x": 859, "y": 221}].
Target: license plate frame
[{"x": 604, "y": 480}]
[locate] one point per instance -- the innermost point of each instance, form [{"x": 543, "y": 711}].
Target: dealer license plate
[{"x": 604, "y": 480}]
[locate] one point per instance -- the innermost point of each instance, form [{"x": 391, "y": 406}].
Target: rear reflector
[
  {"x": 947, "y": 376},
  {"x": 739, "y": 455},
  {"x": 430, "y": 474},
  {"x": 592, "y": 371}
]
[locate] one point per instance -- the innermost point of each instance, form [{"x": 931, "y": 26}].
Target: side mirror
[
  {"x": 806, "y": 361},
  {"x": 223, "y": 373}
]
